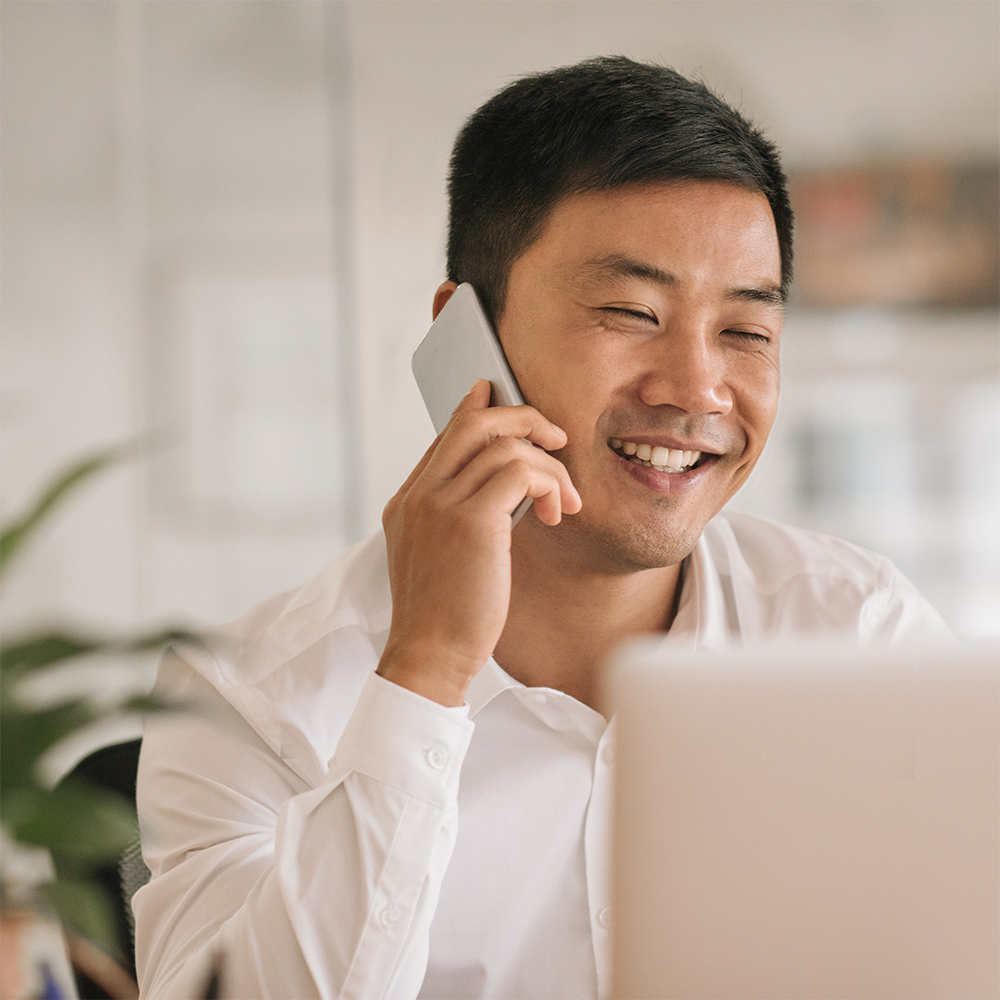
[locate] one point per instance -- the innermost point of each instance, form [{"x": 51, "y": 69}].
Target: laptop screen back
[{"x": 807, "y": 822}]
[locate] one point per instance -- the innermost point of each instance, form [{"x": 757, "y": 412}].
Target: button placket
[{"x": 597, "y": 846}]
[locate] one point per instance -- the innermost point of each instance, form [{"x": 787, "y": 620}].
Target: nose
[{"x": 682, "y": 367}]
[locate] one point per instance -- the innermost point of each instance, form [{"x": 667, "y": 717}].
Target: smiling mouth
[{"x": 659, "y": 458}]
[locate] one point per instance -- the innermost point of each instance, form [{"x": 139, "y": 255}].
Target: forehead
[{"x": 690, "y": 230}]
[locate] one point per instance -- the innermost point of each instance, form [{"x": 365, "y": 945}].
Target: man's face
[{"x": 650, "y": 315}]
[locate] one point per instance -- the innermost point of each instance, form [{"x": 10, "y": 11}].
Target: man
[{"x": 399, "y": 781}]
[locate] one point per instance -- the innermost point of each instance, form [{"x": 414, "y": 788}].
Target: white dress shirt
[{"x": 335, "y": 835}]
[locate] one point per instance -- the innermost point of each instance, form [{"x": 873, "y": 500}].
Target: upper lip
[{"x": 673, "y": 444}]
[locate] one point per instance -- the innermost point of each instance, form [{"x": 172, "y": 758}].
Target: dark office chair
[{"x": 115, "y": 767}]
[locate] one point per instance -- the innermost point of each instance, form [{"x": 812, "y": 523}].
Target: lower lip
[{"x": 668, "y": 483}]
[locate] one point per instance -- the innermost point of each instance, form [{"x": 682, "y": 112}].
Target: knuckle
[
  {"x": 521, "y": 468},
  {"x": 508, "y": 448},
  {"x": 409, "y": 508},
  {"x": 553, "y": 465},
  {"x": 467, "y": 420},
  {"x": 390, "y": 510},
  {"x": 400, "y": 505},
  {"x": 435, "y": 502}
]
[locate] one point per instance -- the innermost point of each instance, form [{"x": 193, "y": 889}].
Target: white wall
[
  {"x": 169, "y": 250},
  {"x": 146, "y": 142}
]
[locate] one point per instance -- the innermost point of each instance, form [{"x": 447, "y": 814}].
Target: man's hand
[{"x": 448, "y": 533}]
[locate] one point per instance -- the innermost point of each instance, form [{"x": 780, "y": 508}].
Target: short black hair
[{"x": 594, "y": 126}]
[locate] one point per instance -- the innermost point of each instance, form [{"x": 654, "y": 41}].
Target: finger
[
  {"x": 477, "y": 398},
  {"x": 471, "y": 430},
  {"x": 504, "y": 451},
  {"x": 515, "y": 481},
  {"x": 419, "y": 467}
]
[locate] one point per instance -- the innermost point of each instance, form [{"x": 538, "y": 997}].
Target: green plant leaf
[
  {"x": 144, "y": 703},
  {"x": 41, "y": 650},
  {"x": 26, "y": 735},
  {"x": 16, "y": 533},
  {"x": 77, "y": 821},
  {"x": 82, "y": 825},
  {"x": 86, "y": 907},
  {"x": 27, "y": 653}
]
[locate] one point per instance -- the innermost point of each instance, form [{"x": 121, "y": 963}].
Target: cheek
[
  {"x": 531, "y": 354},
  {"x": 562, "y": 378},
  {"x": 758, "y": 404}
]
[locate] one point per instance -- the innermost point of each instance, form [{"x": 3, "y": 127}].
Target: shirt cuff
[{"x": 402, "y": 739}]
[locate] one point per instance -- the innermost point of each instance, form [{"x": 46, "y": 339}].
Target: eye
[
  {"x": 748, "y": 336},
  {"x": 634, "y": 313}
]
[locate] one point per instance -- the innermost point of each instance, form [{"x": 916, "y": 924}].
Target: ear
[{"x": 442, "y": 295}]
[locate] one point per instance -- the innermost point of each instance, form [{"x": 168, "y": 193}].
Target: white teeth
[{"x": 660, "y": 458}]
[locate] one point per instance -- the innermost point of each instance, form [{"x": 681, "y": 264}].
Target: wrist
[{"x": 429, "y": 673}]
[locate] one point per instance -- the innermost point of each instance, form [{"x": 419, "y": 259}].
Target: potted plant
[{"x": 53, "y": 837}]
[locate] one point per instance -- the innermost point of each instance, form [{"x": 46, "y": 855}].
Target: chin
[{"x": 629, "y": 547}]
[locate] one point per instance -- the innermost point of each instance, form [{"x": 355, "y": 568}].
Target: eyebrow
[
  {"x": 620, "y": 266},
  {"x": 767, "y": 293}
]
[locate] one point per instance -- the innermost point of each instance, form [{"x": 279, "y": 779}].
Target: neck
[{"x": 566, "y": 616}]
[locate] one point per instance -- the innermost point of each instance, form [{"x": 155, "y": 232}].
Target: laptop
[{"x": 807, "y": 821}]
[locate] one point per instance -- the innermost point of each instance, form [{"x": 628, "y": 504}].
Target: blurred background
[{"x": 225, "y": 220}]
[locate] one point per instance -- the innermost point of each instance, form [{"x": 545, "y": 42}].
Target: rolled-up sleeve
[{"x": 323, "y": 891}]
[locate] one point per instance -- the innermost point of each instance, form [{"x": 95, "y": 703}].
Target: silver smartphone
[{"x": 459, "y": 348}]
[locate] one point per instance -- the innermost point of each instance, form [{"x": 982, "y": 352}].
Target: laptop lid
[{"x": 807, "y": 821}]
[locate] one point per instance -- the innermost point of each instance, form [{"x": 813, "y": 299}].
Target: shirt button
[
  {"x": 389, "y": 916},
  {"x": 604, "y": 917},
  {"x": 437, "y": 757},
  {"x": 538, "y": 698},
  {"x": 608, "y": 754}
]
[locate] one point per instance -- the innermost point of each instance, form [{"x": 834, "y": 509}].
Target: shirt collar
[
  {"x": 701, "y": 623},
  {"x": 555, "y": 708},
  {"x": 486, "y": 685},
  {"x": 703, "y": 612}
]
